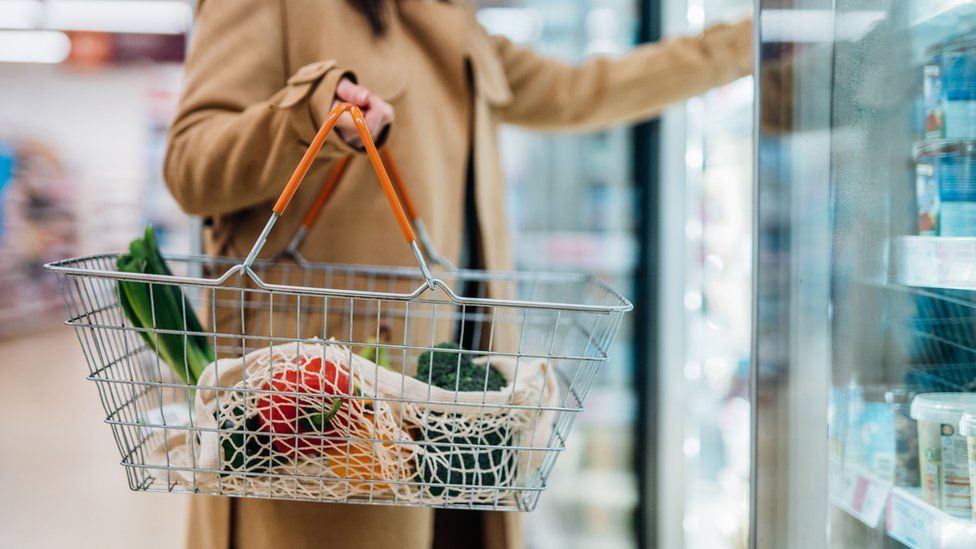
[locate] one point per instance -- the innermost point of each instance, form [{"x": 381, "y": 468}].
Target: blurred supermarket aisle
[{"x": 60, "y": 482}]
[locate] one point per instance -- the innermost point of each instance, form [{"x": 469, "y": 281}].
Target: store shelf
[
  {"x": 860, "y": 493},
  {"x": 942, "y": 13},
  {"x": 919, "y": 525},
  {"x": 934, "y": 262},
  {"x": 935, "y": 20},
  {"x": 907, "y": 518}
]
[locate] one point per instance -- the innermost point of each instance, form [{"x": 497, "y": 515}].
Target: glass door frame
[{"x": 790, "y": 371}]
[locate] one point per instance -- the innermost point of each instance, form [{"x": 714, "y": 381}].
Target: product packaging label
[
  {"x": 960, "y": 119},
  {"x": 957, "y": 219},
  {"x": 958, "y": 68},
  {"x": 929, "y": 449},
  {"x": 971, "y": 446},
  {"x": 932, "y": 96},
  {"x": 927, "y": 195},
  {"x": 957, "y": 179},
  {"x": 955, "y": 496}
]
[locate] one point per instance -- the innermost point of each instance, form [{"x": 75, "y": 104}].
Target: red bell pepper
[{"x": 289, "y": 414}]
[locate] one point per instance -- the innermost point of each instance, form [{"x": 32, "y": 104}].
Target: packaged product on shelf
[
  {"x": 932, "y": 93},
  {"x": 967, "y": 428},
  {"x": 871, "y": 441},
  {"x": 906, "y": 436},
  {"x": 958, "y": 71},
  {"x": 837, "y": 426},
  {"x": 954, "y": 172},
  {"x": 927, "y": 196},
  {"x": 942, "y": 452}
]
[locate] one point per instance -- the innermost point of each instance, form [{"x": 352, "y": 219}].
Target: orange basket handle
[
  {"x": 330, "y": 184},
  {"x": 332, "y": 181},
  {"x": 306, "y": 163}
]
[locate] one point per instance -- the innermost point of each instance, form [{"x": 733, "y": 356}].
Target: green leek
[{"x": 156, "y": 306}]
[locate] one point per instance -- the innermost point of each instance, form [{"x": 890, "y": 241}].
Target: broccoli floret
[
  {"x": 493, "y": 460},
  {"x": 444, "y": 370},
  {"x": 491, "y": 464}
]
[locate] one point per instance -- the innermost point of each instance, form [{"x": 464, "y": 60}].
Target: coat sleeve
[
  {"x": 243, "y": 122},
  {"x": 551, "y": 95}
]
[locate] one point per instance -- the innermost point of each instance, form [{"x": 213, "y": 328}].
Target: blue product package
[
  {"x": 877, "y": 434},
  {"x": 872, "y": 435},
  {"x": 957, "y": 180},
  {"x": 957, "y": 67},
  {"x": 6, "y": 175},
  {"x": 954, "y": 171}
]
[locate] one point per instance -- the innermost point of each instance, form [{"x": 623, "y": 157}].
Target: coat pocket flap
[
  {"x": 311, "y": 72},
  {"x": 301, "y": 83}
]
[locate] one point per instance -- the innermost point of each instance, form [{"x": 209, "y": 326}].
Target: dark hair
[{"x": 373, "y": 11}]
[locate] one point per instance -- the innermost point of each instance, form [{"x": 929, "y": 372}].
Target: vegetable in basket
[
  {"x": 316, "y": 425},
  {"x": 284, "y": 413},
  {"x": 447, "y": 371},
  {"x": 158, "y": 306},
  {"x": 245, "y": 451},
  {"x": 463, "y": 459},
  {"x": 375, "y": 353}
]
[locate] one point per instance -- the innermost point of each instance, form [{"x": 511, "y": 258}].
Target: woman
[{"x": 261, "y": 77}]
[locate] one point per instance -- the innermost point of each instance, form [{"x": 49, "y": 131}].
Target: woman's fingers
[
  {"x": 351, "y": 92},
  {"x": 377, "y": 113}
]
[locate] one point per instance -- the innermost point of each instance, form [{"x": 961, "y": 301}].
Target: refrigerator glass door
[
  {"x": 865, "y": 298},
  {"x": 702, "y": 403}
]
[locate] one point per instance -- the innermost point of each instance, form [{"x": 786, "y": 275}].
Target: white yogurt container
[
  {"x": 942, "y": 451},
  {"x": 967, "y": 428}
]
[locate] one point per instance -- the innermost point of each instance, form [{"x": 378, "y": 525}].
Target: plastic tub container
[
  {"x": 942, "y": 453},
  {"x": 946, "y": 187},
  {"x": 967, "y": 428}
]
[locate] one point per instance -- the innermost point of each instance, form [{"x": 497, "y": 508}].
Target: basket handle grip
[{"x": 306, "y": 163}]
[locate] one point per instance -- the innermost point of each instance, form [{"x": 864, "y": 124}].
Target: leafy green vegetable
[
  {"x": 471, "y": 467},
  {"x": 455, "y": 371},
  {"x": 376, "y": 354},
  {"x": 246, "y": 452},
  {"x": 157, "y": 306}
]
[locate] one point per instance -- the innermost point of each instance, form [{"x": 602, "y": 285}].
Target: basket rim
[{"x": 71, "y": 267}]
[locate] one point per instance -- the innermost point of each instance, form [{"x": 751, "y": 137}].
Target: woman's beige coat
[{"x": 261, "y": 75}]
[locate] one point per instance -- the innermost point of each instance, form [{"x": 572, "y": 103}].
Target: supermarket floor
[{"x": 61, "y": 484}]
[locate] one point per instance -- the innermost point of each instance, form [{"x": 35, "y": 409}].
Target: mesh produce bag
[
  {"x": 267, "y": 416},
  {"x": 476, "y": 444},
  {"x": 268, "y": 426}
]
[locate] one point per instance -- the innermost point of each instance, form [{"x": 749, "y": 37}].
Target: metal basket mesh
[{"x": 547, "y": 333}]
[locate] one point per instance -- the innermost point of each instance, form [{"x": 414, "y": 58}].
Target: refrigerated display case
[{"x": 865, "y": 296}]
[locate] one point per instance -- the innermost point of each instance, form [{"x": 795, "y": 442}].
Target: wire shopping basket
[{"x": 340, "y": 383}]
